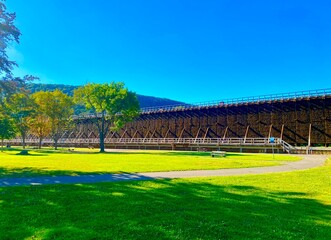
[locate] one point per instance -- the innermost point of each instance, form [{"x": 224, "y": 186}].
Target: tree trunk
[
  {"x": 40, "y": 141},
  {"x": 102, "y": 142},
  {"x": 23, "y": 139},
  {"x": 55, "y": 144},
  {"x": 1, "y": 145}
]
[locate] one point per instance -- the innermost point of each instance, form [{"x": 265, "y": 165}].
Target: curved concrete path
[{"x": 308, "y": 161}]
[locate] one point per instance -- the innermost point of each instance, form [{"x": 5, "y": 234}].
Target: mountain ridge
[{"x": 144, "y": 101}]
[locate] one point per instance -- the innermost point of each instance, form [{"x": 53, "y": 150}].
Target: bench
[{"x": 218, "y": 153}]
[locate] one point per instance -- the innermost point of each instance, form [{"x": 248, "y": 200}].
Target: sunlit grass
[
  {"x": 50, "y": 162},
  {"x": 295, "y": 205}
]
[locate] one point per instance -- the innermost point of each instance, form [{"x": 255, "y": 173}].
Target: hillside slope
[{"x": 145, "y": 101}]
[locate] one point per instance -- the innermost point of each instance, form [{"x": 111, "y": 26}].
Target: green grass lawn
[
  {"x": 295, "y": 205},
  {"x": 82, "y": 161}
]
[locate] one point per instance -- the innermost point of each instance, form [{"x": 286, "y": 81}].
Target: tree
[
  {"x": 8, "y": 33},
  {"x": 7, "y": 130},
  {"x": 112, "y": 105},
  {"x": 20, "y": 108},
  {"x": 58, "y": 108},
  {"x": 40, "y": 125}
]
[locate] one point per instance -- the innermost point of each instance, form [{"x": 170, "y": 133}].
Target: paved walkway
[{"x": 308, "y": 161}]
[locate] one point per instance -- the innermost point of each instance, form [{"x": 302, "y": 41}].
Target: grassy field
[
  {"x": 294, "y": 205},
  {"x": 82, "y": 161}
]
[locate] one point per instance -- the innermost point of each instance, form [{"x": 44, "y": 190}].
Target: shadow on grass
[
  {"x": 29, "y": 172},
  {"x": 162, "y": 209},
  {"x": 45, "y": 152},
  {"x": 26, "y": 172}
]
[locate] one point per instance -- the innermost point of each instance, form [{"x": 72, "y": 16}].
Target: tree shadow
[
  {"x": 25, "y": 172},
  {"x": 162, "y": 209},
  {"x": 30, "y": 172}
]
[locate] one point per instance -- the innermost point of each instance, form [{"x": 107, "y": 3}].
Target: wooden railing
[
  {"x": 191, "y": 141},
  {"x": 252, "y": 99}
]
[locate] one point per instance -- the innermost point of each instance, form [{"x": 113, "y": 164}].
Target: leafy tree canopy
[
  {"x": 112, "y": 100},
  {"x": 58, "y": 108},
  {"x": 7, "y": 129},
  {"x": 111, "y": 103},
  {"x": 8, "y": 33}
]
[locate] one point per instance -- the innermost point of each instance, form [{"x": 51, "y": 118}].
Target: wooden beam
[
  {"x": 196, "y": 136},
  {"x": 270, "y": 129},
  {"x": 247, "y": 129},
  {"x": 225, "y": 132},
  {"x": 181, "y": 133},
  {"x": 309, "y": 135},
  {"x": 204, "y": 137},
  {"x": 282, "y": 132}
]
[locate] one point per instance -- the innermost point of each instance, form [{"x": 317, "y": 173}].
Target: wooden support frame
[
  {"x": 225, "y": 132},
  {"x": 270, "y": 129},
  {"x": 282, "y": 132},
  {"x": 169, "y": 131},
  {"x": 247, "y": 129},
  {"x": 206, "y": 133}
]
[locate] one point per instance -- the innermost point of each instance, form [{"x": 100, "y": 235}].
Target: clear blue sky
[{"x": 184, "y": 50}]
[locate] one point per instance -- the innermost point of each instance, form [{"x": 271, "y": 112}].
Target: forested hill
[{"x": 145, "y": 101}]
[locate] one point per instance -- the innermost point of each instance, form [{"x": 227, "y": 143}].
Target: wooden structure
[
  {"x": 297, "y": 118},
  {"x": 300, "y": 119}
]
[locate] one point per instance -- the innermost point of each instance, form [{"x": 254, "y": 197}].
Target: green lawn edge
[{"x": 48, "y": 162}]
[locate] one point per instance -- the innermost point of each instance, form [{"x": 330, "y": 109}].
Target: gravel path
[{"x": 308, "y": 161}]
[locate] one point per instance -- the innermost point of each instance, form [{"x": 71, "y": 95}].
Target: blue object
[{"x": 272, "y": 140}]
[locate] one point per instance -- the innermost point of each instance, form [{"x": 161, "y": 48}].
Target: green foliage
[
  {"x": 7, "y": 129},
  {"x": 40, "y": 125},
  {"x": 20, "y": 108},
  {"x": 109, "y": 99},
  {"x": 144, "y": 101},
  {"x": 292, "y": 205},
  {"x": 8, "y": 33},
  {"x": 57, "y": 107},
  {"x": 38, "y": 87},
  {"x": 111, "y": 103}
]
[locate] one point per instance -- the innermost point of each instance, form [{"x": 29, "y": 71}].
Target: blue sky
[{"x": 184, "y": 50}]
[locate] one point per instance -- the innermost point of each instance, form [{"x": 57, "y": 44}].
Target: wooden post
[
  {"x": 281, "y": 132},
  {"x": 270, "y": 129},
  {"x": 123, "y": 135},
  {"x": 181, "y": 133},
  {"x": 309, "y": 134},
  {"x": 153, "y": 134},
  {"x": 196, "y": 136},
  {"x": 246, "y": 133},
  {"x": 225, "y": 132},
  {"x": 204, "y": 137},
  {"x": 167, "y": 133}
]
